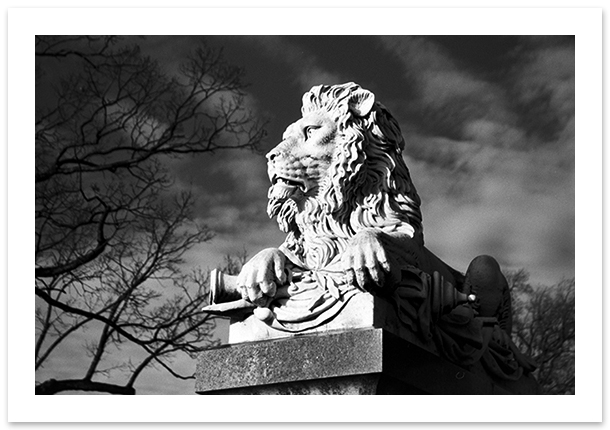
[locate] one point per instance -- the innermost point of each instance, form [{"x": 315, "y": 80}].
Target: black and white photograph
[{"x": 385, "y": 213}]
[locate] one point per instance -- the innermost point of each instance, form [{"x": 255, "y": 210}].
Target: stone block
[{"x": 362, "y": 361}]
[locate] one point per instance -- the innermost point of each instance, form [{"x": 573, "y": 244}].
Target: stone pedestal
[{"x": 356, "y": 361}]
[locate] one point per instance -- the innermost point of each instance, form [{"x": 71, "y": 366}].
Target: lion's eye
[{"x": 309, "y": 130}]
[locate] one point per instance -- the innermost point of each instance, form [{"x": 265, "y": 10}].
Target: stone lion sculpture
[{"x": 341, "y": 191}]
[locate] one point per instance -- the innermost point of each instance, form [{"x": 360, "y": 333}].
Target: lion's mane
[{"x": 367, "y": 185}]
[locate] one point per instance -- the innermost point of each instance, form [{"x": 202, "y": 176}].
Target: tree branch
[
  {"x": 66, "y": 308},
  {"x": 49, "y": 272}
]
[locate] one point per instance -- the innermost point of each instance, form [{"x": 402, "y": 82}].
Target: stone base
[{"x": 361, "y": 361}]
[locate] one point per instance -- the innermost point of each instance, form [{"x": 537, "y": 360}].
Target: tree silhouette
[
  {"x": 544, "y": 328},
  {"x": 110, "y": 230}
]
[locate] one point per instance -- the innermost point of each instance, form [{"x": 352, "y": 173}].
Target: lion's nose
[{"x": 271, "y": 155}]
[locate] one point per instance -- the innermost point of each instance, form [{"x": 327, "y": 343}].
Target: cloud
[
  {"x": 211, "y": 254},
  {"x": 444, "y": 87},
  {"x": 530, "y": 230},
  {"x": 489, "y": 133},
  {"x": 305, "y": 65},
  {"x": 551, "y": 69},
  {"x": 543, "y": 88},
  {"x": 515, "y": 205},
  {"x": 493, "y": 160}
]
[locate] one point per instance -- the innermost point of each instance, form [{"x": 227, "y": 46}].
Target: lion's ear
[{"x": 361, "y": 102}]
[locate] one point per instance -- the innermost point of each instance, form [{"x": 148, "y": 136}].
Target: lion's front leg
[{"x": 371, "y": 260}]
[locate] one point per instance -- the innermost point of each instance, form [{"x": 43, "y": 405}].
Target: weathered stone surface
[
  {"x": 298, "y": 358},
  {"x": 342, "y": 385},
  {"x": 364, "y": 361}
]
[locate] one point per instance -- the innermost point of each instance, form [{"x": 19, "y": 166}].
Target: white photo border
[{"x": 584, "y": 23}]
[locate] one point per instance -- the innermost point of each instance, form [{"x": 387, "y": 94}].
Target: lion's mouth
[
  {"x": 283, "y": 189},
  {"x": 288, "y": 183}
]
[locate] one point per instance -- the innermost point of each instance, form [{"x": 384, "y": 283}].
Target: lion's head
[{"x": 339, "y": 169}]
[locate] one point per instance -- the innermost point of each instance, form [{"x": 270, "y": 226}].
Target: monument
[{"x": 353, "y": 302}]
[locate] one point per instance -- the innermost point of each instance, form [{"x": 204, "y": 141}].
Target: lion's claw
[
  {"x": 259, "y": 278},
  {"x": 365, "y": 262}
]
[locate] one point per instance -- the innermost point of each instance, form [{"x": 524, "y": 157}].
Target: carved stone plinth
[{"x": 359, "y": 361}]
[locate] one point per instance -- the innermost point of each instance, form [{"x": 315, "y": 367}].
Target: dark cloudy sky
[{"x": 489, "y": 126}]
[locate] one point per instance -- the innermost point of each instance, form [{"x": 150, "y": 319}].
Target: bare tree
[
  {"x": 110, "y": 230},
  {"x": 544, "y": 328}
]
